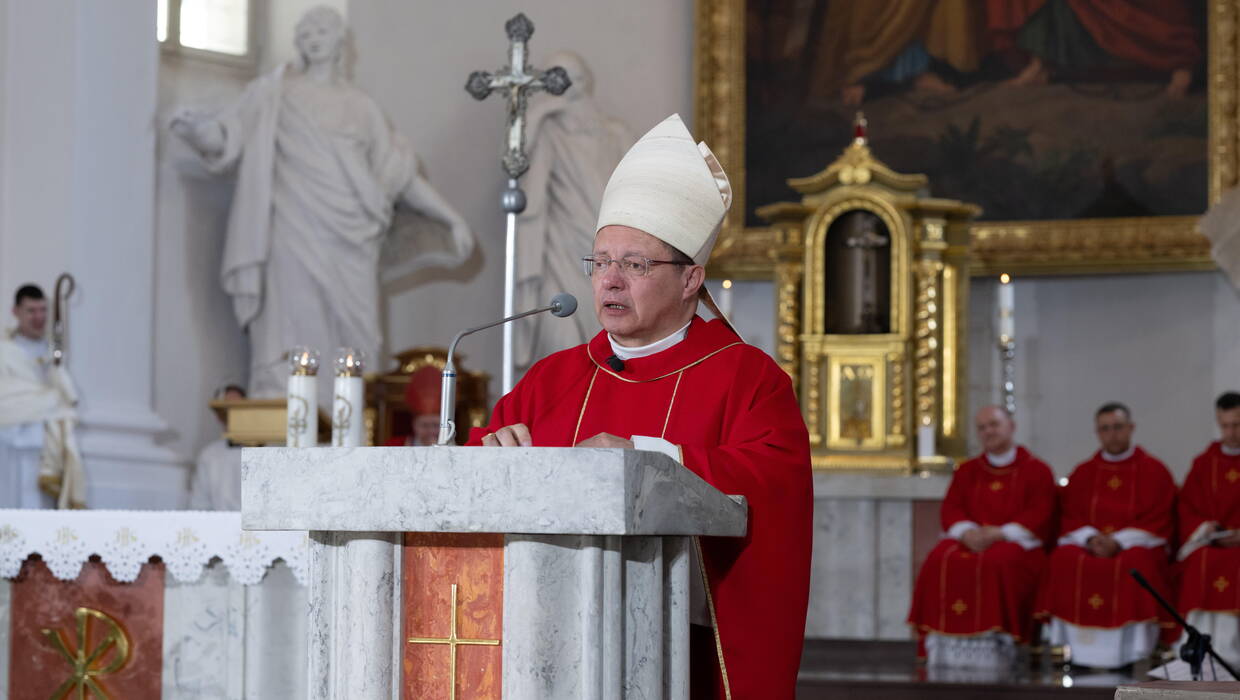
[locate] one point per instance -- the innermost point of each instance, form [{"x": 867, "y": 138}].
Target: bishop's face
[{"x": 640, "y": 310}]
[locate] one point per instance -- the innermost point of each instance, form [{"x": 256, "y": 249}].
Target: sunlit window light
[
  {"x": 161, "y": 21},
  {"x": 212, "y": 26},
  {"x": 216, "y": 25}
]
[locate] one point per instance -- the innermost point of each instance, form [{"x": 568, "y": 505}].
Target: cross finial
[
  {"x": 860, "y": 128},
  {"x": 519, "y": 79}
]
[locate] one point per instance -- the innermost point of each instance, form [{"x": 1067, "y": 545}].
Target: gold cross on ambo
[{"x": 453, "y": 642}]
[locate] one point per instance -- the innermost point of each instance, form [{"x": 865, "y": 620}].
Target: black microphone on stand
[
  {"x": 562, "y": 304},
  {"x": 1197, "y": 648}
]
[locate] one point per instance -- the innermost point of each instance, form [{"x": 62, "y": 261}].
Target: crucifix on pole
[{"x": 518, "y": 79}]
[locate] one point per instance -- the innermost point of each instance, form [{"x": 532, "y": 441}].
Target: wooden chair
[{"x": 387, "y": 414}]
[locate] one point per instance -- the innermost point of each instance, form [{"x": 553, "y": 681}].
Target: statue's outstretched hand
[{"x": 203, "y": 133}]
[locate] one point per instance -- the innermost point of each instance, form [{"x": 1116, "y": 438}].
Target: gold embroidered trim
[
  {"x": 714, "y": 621},
  {"x": 584, "y": 401},
  {"x": 668, "y": 418},
  {"x": 661, "y": 376}
]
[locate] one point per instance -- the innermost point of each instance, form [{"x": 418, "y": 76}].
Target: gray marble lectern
[{"x": 596, "y": 558}]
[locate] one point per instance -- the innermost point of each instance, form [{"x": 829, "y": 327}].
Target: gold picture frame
[{"x": 1073, "y": 246}]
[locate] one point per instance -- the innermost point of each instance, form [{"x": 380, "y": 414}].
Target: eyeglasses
[{"x": 631, "y": 266}]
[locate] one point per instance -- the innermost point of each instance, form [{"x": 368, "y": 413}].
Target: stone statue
[
  {"x": 573, "y": 148},
  {"x": 319, "y": 172}
]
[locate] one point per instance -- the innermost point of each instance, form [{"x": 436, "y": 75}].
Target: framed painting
[{"x": 1093, "y": 133}]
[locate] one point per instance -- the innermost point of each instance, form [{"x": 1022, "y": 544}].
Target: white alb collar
[
  {"x": 657, "y": 346},
  {"x": 1229, "y": 451},
  {"x": 1107, "y": 456},
  {"x": 1002, "y": 459},
  {"x": 34, "y": 348}
]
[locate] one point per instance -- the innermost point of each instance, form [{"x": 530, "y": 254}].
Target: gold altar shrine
[{"x": 871, "y": 281}]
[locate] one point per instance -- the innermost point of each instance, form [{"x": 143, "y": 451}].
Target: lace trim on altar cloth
[
  {"x": 186, "y": 541},
  {"x": 993, "y": 652}
]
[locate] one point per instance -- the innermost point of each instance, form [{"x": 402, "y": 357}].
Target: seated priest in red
[
  {"x": 1209, "y": 560},
  {"x": 422, "y": 399},
  {"x": 658, "y": 377},
  {"x": 1117, "y": 514},
  {"x": 973, "y": 602}
]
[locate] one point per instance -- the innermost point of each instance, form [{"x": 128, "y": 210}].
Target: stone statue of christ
[{"x": 319, "y": 172}]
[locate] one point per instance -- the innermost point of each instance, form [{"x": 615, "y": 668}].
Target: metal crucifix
[{"x": 519, "y": 80}]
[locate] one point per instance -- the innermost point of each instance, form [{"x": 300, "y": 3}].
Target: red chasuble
[
  {"x": 1137, "y": 493},
  {"x": 1209, "y": 578},
  {"x": 961, "y": 592},
  {"x": 732, "y": 412}
]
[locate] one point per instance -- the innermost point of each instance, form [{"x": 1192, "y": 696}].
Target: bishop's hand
[
  {"x": 976, "y": 540},
  {"x": 1103, "y": 546},
  {"x": 515, "y": 435},
  {"x": 1232, "y": 540},
  {"x": 605, "y": 440}
]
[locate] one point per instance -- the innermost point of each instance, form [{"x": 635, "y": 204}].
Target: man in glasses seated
[{"x": 658, "y": 377}]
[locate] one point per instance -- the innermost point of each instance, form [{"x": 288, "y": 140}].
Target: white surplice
[{"x": 36, "y": 429}]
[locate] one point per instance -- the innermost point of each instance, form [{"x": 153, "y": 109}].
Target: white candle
[
  {"x": 725, "y": 298},
  {"x": 925, "y": 441},
  {"x": 1007, "y": 308},
  {"x": 303, "y": 409},
  {"x": 348, "y": 397}
]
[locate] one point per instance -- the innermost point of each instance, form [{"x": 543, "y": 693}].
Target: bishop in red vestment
[
  {"x": 1209, "y": 507},
  {"x": 982, "y": 577},
  {"x": 658, "y": 377},
  {"x": 423, "y": 400},
  {"x": 1117, "y": 515}
]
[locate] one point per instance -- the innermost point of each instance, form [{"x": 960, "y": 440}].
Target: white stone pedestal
[{"x": 596, "y": 558}]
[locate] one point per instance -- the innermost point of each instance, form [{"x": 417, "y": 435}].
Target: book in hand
[{"x": 1218, "y": 535}]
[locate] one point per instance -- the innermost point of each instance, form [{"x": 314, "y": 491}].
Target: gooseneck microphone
[
  {"x": 562, "y": 305},
  {"x": 615, "y": 363}
]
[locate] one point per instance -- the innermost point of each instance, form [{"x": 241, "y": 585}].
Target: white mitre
[{"x": 670, "y": 187}]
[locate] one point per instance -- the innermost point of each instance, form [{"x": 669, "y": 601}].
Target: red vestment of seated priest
[
  {"x": 961, "y": 592},
  {"x": 1209, "y": 577},
  {"x": 732, "y": 412},
  {"x": 1132, "y": 500}
]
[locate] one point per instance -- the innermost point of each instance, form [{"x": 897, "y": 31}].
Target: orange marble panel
[
  {"x": 433, "y": 563},
  {"x": 40, "y": 601},
  {"x": 926, "y": 529}
]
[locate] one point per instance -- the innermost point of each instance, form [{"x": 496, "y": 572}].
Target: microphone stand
[
  {"x": 561, "y": 305},
  {"x": 1198, "y": 647}
]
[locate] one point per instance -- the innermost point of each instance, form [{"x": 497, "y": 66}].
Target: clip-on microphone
[
  {"x": 615, "y": 363},
  {"x": 562, "y": 304}
]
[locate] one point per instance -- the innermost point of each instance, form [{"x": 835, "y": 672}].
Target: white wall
[
  {"x": 34, "y": 221},
  {"x": 414, "y": 57},
  {"x": 1164, "y": 344}
]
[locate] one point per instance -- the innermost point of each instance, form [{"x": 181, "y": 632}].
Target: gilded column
[
  {"x": 788, "y": 317},
  {"x": 928, "y": 323}
]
